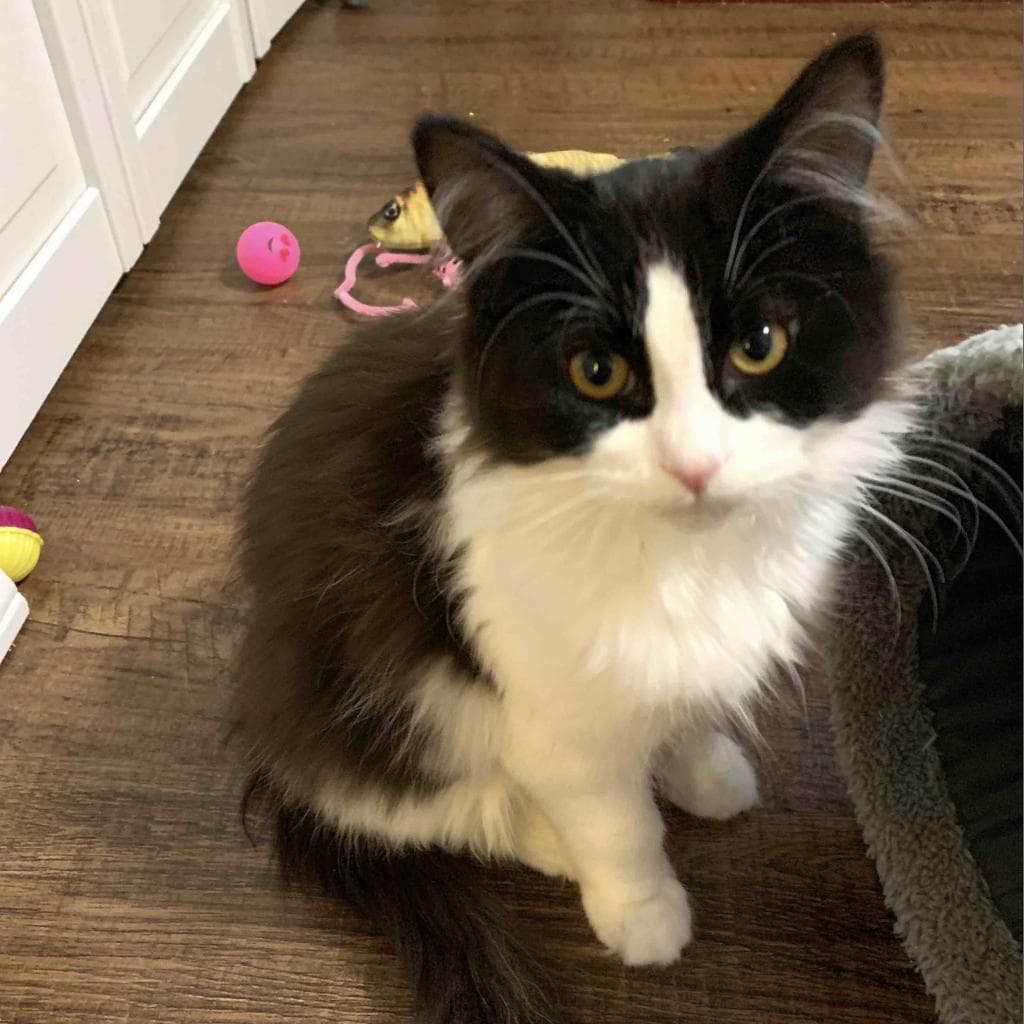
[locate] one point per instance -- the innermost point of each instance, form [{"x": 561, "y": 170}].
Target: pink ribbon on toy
[
  {"x": 383, "y": 259},
  {"x": 449, "y": 272}
]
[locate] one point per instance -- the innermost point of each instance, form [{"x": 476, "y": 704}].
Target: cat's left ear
[
  {"x": 825, "y": 126},
  {"x": 483, "y": 193}
]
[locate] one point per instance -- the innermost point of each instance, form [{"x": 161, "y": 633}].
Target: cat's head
[{"x": 700, "y": 326}]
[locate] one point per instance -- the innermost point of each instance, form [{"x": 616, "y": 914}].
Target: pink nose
[{"x": 695, "y": 476}]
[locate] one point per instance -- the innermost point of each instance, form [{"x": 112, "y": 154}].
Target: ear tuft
[{"x": 825, "y": 125}]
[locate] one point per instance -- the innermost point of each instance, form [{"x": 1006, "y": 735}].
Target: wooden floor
[{"x": 127, "y": 891}]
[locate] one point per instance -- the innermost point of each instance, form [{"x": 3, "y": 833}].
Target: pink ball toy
[{"x": 267, "y": 252}]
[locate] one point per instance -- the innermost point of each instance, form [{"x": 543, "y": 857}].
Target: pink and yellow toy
[
  {"x": 20, "y": 543},
  {"x": 268, "y": 252},
  {"x": 447, "y": 269}
]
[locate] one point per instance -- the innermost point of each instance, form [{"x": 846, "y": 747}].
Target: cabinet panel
[
  {"x": 40, "y": 173},
  {"x": 66, "y": 35},
  {"x": 170, "y": 69},
  {"x": 151, "y": 38},
  {"x": 48, "y": 309}
]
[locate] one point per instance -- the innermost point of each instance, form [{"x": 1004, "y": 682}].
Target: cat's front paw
[
  {"x": 718, "y": 783},
  {"x": 652, "y": 930}
]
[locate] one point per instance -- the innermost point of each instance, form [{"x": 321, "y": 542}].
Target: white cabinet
[
  {"x": 58, "y": 259},
  {"x": 170, "y": 68},
  {"x": 104, "y": 105},
  {"x": 38, "y": 187}
]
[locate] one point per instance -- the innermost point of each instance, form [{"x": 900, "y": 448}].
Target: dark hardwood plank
[{"x": 127, "y": 890}]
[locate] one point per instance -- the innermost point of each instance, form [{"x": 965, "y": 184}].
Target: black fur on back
[
  {"x": 466, "y": 964},
  {"x": 349, "y": 600}
]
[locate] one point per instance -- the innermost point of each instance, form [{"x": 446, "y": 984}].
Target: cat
[{"x": 517, "y": 559}]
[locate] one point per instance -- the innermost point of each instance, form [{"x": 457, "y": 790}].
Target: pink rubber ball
[{"x": 268, "y": 252}]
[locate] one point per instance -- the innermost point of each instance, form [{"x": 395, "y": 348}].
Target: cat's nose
[{"x": 695, "y": 475}]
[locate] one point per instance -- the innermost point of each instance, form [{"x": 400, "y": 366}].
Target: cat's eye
[
  {"x": 761, "y": 350},
  {"x": 600, "y": 375}
]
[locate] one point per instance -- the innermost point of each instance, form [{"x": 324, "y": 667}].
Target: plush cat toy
[{"x": 407, "y": 223}]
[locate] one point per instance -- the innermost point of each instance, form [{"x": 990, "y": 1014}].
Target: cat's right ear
[
  {"x": 484, "y": 194},
  {"x": 822, "y": 133}
]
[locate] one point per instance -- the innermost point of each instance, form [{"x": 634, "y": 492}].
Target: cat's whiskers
[
  {"x": 775, "y": 211},
  {"x": 925, "y": 557},
  {"x": 852, "y": 194},
  {"x": 902, "y": 477},
  {"x": 742, "y": 215},
  {"x": 938, "y": 466},
  {"x": 584, "y": 241},
  {"x": 931, "y": 492},
  {"x": 518, "y": 252},
  {"x": 771, "y": 250},
  {"x": 813, "y": 279},
  {"x": 572, "y": 298},
  {"x": 997, "y": 478},
  {"x": 899, "y": 488},
  {"x": 876, "y": 550},
  {"x": 592, "y": 269}
]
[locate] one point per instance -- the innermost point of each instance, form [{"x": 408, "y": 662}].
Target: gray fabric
[{"x": 885, "y": 742}]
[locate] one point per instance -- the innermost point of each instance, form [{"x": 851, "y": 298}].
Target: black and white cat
[{"x": 516, "y": 558}]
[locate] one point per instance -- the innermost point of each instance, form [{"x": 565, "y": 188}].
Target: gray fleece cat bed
[{"x": 926, "y": 702}]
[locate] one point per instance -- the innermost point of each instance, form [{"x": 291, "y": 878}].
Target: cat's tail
[{"x": 466, "y": 963}]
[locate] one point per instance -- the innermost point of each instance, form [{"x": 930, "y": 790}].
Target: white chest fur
[{"x": 581, "y": 599}]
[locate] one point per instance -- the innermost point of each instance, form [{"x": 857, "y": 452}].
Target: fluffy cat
[{"x": 516, "y": 558}]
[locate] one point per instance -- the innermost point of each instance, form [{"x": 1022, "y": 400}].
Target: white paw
[
  {"x": 719, "y": 784},
  {"x": 653, "y": 930}
]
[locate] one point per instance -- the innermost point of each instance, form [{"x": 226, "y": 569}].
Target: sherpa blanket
[{"x": 925, "y": 681}]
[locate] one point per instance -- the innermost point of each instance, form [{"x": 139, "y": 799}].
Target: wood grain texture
[{"x": 127, "y": 890}]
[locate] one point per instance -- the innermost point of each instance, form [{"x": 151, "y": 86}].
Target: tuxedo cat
[{"x": 517, "y": 559}]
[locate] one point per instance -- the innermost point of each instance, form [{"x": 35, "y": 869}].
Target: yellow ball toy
[{"x": 20, "y": 543}]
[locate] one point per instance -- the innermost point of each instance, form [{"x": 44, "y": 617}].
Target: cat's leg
[
  {"x": 600, "y": 804},
  {"x": 705, "y": 773},
  {"x": 537, "y": 844}
]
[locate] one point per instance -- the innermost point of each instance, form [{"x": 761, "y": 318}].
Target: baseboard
[{"x": 13, "y": 613}]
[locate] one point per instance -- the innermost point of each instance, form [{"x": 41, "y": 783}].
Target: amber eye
[
  {"x": 599, "y": 375},
  {"x": 760, "y": 350}
]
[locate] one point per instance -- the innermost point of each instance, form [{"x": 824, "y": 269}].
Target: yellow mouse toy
[{"x": 407, "y": 221}]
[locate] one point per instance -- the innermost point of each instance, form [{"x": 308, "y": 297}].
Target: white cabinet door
[
  {"x": 268, "y": 18},
  {"x": 40, "y": 173},
  {"x": 58, "y": 260},
  {"x": 170, "y": 70}
]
